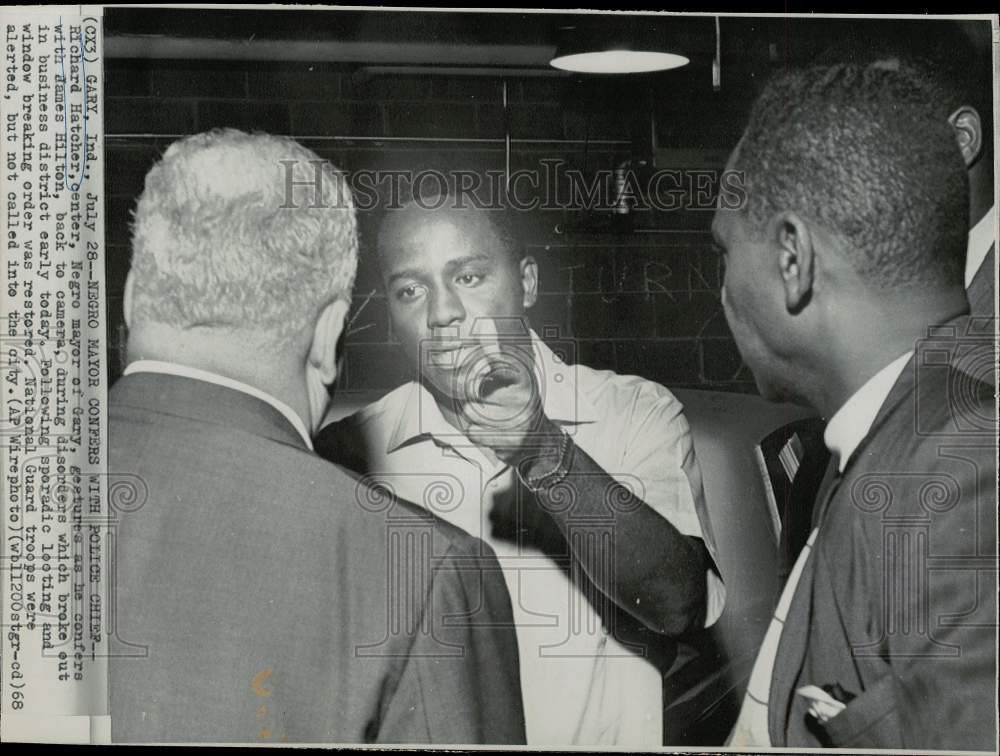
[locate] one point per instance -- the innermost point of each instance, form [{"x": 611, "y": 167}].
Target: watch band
[{"x": 539, "y": 483}]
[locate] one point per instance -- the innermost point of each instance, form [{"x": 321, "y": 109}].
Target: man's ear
[
  {"x": 969, "y": 133},
  {"x": 127, "y": 300},
  {"x": 795, "y": 258},
  {"x": 326, "y": 334},
  {"x": 529, "y": 280}
]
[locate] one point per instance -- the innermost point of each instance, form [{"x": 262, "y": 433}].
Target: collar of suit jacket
[
  {"x": 981, "y": 238},
  {"x": 954, "y": 345},
  {"x": 202, "y": 401},
  {"x": 851, "y": 422}
]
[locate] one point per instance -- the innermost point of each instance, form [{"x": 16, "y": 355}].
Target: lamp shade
[
  {"x": 618, "y": 61},
  {"x": 618, "y": 48}
]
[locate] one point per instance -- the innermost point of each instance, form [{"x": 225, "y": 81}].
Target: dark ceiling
[
  {"x": 516, "y": 44},
  {"x": 484, "y": 28},
  {"x": 499, "y": 37}
]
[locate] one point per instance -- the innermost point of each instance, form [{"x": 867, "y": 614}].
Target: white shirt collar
[
  {"x": 563, "y": 401},
  {"x": 981, "y": 238},
  {"x": 854, "y": 419},
  {"x": 173, "y": 368}
]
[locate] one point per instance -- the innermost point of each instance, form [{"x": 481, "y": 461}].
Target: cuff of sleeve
[{"x": 715, "y": 597}]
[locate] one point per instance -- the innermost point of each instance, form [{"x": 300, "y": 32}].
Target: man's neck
[{"x": 871, "y": 337}]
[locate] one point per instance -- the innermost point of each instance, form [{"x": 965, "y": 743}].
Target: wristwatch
[{"x": 539, "y": 483}]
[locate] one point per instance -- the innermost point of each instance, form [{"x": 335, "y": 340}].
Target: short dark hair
[
  {"x": 954, "y": 59},
  {"x": 862, "y": 151},
  {"x": 502, "y": 223}
]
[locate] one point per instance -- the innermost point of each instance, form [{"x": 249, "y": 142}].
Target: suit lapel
[
  {"x": 982, "y": 287},
  {"x": 794, "y": 641},
  {"x": 792, "y": 645}
]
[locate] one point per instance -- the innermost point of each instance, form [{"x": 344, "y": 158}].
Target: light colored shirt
[
  {"x": 173, "y": 368},
  {"x": 851, "y": 423},
  {"x": 580, "y": 685},
  {"x": 843, "y": 434},
  {"x": 982, "y": 236}
]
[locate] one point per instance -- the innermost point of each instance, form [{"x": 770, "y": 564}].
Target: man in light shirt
[
  {"x": 266, "y": 593},
  {"x": 584, "y": 482},
  {"x": 844, "y": 290}
]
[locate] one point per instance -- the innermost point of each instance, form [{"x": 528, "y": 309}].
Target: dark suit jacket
[
  {"x": 897, "y": 602},
  {"x": 263, "y": 596},
  {"x": 982, "y": 288}
]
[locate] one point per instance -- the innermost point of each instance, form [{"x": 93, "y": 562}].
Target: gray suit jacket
[
  {"x": 262, "y": 595},
  {"x": 897, "y": 602},
  {"x": 982, "y": 288}
]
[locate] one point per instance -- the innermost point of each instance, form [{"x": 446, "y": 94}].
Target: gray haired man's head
[
  {"x": 244, "y": 255},
  {"x": 223, "y": 239}
]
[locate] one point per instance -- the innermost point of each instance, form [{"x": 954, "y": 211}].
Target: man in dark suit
[
  {"x": 956, "y": 63},
  {"x": 844, "y": 290},
  {"x": 956, "y": 66},
  {"x": 960, "y": 72},
  {"x": 266, "y": 595}
]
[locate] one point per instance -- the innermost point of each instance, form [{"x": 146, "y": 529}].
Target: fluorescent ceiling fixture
[{"x": 619, "y": 61}]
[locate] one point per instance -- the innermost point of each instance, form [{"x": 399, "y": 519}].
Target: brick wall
[{"x": 643, "y": 303}]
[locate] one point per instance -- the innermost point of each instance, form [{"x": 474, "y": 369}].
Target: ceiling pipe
[
  {"x": 329, "y": 51},
  {"x": 485, "y": 141},
  {"x": 492, "y": 72}
]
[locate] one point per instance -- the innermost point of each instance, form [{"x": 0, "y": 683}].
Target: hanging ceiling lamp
[{"x": 619, "y": 48}]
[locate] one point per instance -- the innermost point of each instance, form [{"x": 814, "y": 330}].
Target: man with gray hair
[{"x": 264, "y": 595}]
